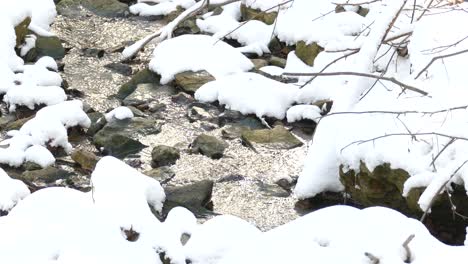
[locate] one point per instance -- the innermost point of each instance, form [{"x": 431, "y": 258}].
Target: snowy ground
[{"x": 405, "y": 119}]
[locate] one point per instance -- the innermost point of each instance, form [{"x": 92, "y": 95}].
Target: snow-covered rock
[
  {"x": 195, "y": 53},
  {"x": 250, "y": 93},
  {"x": 11, "y": 191}
]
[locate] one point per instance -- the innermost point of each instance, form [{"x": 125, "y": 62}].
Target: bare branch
[
  {"x": 360, "y": 74},
  {"x": 359, "y": 142},
  {"x": 328, "y": 65},
  {"x": 407, "y": 249},
  {"x": 442, "y": 150},
  {"x": 438, "y": 58},
  {"x": 373, "y": 259},
  {"x": 440, "y": 190}
]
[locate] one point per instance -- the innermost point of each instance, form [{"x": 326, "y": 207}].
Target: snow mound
[
  {"x": 321, "y": 24},
  {"x": 299, "y": 112},
  {"x": 119, "y": 113},
  {"x": 250, "y": 93},
  {"x": 47, "y": 128},
  {"x": 62, "y": 225},
  {"x": 254, "y": 35},
  {"x": 323, "y": 237},
  {"x": 195, "y": 53},
  {"x": 11, "y": 191}
]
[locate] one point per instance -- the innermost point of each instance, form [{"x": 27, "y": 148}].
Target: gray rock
[
  {"x": 276, "y": 138},
  {"x": 164, "y": 156},
  {"x": 196, "y": 197},
  {"x": 46, "y": 46},
  {"x": 190, "y": 81},
  {"x": 120, "y": 68},
  {"x": 146, "y": 93},
  {"x": 143, "y": 76},
  {"x": 98, "y": 121},
  {"x": 209, "y": 146},
  {"x": 118, "y": 138},
  {"x": 87, "y": 160},
  {"x": 30, "y": 166},
  {"x": 46, "y": 175},
  {"x": 202, "y": 112}
]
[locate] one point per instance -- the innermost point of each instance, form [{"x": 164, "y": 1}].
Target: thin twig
[
  {"x": 328, "y": 65},
  {"x": 373, "y": 259},
  {"x": 359, "y": 142},
  {"x": 407, "y": 249},
  {"x": 440, "y": 190},
  {"x": 254, "y": 17},
  {"x": 438, "y": 58},
  {"x": 442, "y": 150},
  {"x": 360, "y": 74}
]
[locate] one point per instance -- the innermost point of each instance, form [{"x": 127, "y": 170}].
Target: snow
[
  {"x": 250, "y": 93},
  {"x": 203, "y": 53},
  {"x": 265, "y": 5},
  {"x": 321, "y": 24},
  {"x": 119, "y": 113},
  {"x": 254, "y": 35},
  {"x": 39, "y": 155},
  {"x": 323, "y": 237},
  {"x": 163, "y": 8},
  {"x": 299, "y": 112},
  {"x": 11, "y": 191},
  {"x": 47, "y": 128},
  {"x": 331, "y": 148},
  {"x": 60, "y": 225}
]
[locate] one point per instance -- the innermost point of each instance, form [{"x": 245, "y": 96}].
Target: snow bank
[
  {"x": 195, "y": 53},
  {"x": 11, "y": 191},
  {"x": 400, "y": 113},
  {"x": 250, "y": 93},
  {"x": 324, "y": 237},
  {"x": 62, "y": 225},
  {"x": 319, "y": 24}
]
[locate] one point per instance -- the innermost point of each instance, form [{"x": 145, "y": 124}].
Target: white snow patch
[
  {"x": 204, "y": 53},
  {"x": 39, "y": 155},
  {"x": 250, "y": 93},
  {"x": 119, "y": 113},
  {"x": 11, "y": 191},
  {"x": 299, "y": 112}
]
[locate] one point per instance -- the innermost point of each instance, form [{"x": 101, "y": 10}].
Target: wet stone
[
  {"x": 164, "y": 156},
  {"x": 209, "y": 146}
]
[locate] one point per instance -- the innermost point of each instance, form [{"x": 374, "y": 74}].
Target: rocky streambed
[{"x": 209, "y": 159}]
